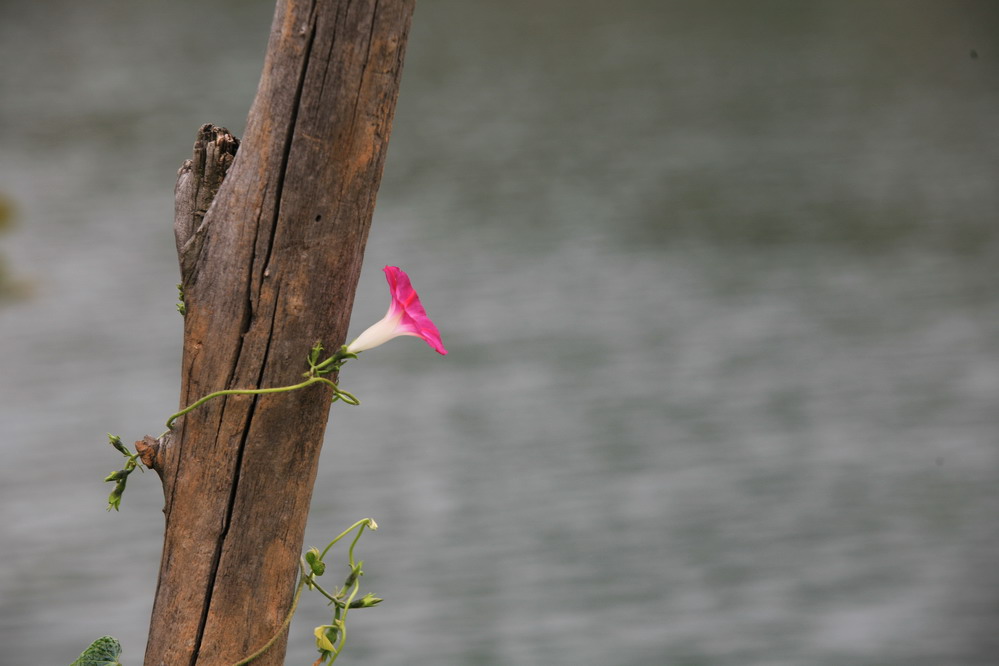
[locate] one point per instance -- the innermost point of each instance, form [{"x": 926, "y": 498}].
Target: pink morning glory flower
[{"x": 405, "y": 316}]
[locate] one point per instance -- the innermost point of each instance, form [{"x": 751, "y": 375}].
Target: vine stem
[
  {"x": 337, "y": 359},
  {"x": 363, "y": 522},
  {"x": 309, "y": 578},
  {"x": 216, "y": 394}
]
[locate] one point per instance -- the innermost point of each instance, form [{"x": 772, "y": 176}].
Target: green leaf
[{"x": 102, "y": 652}]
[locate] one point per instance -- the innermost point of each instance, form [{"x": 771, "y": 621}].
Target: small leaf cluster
[
  {"x": 120, "y": 477},
  {"x": 181, "y": 303},
  {"x": 330, "y": 365}
]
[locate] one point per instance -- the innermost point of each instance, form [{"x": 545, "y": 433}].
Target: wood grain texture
[{"x": 269, "y": 266}]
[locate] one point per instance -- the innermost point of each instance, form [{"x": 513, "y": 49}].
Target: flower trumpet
[{"x": 405, "y": 316}]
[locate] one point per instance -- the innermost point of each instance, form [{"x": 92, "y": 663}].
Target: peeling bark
[{"x": 198, "y": 181}]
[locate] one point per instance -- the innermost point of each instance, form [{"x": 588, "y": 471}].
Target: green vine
[
  {"x": 314, "y": 375},
  {"x": 330, "y": 638},
  {"x": 406, "y": 316}
]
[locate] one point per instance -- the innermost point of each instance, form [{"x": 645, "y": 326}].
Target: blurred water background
[{"x": 719, "y": 282}]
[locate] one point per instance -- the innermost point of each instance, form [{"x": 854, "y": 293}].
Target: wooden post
[{"x": 270, "y": 239}]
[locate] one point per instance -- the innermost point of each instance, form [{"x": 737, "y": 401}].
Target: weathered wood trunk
[{"x": 269, "y": 266}]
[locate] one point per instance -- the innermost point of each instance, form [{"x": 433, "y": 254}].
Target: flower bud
[
  {"x": 115, "y": 441},
  {"x": 114, "y": 499},
  {"x": 118, "y": 475},
  {"x": 353, "y": 576},
  {"x": 367, "y": 601}
]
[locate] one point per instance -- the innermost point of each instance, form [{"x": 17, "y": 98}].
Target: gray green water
[{"x": 719, "y": 282}]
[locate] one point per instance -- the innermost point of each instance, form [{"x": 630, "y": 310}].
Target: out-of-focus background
[{"x": 720, "y": 283}]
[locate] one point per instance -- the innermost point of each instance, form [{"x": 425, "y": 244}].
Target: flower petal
[
  {"x": 415, "y": 320},
  {"x": 406, "y": 316}
]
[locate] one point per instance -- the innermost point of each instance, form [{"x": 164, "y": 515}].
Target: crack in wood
[
  {"x": 288, "y": 144},
  {"x": 234, "y": 490}
]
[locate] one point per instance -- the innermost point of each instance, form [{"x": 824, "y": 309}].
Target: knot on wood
[{"x": 151, "y": 451}]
